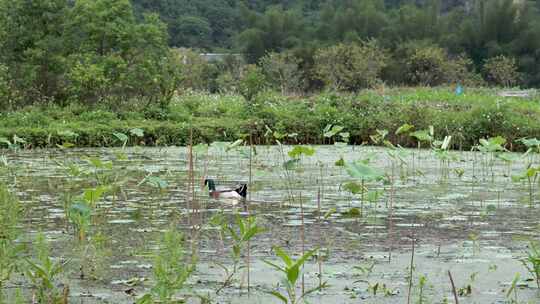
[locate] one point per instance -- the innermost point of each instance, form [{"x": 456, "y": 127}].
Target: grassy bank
[{"x": 475, "y": 114}]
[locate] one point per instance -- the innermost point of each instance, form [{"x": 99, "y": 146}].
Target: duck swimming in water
[{"x": 239, "y": 192}]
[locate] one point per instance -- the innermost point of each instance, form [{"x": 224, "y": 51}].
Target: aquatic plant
[
  {"x": 424, "y": 136},
  {"x": 341, "y": 140},
  {"x": 441, "y": 151},
  {"x": 241, "y": 233},
  {"x": 513, "y": 290},
  {"x": 364, "y": 173},
  {"x": 533, "y": 148},
  {"x": 532, "y": 262},
  {"x": 530, "y": 174},
  {"x": 508, "y": 159},
  {"x": 291, "y": 270},
  {"x": 421, "y": 296},
  {"x": 492, "y": 147},
  {"x": 124, "y": 138},
  {"x": 10, "y": 249},
  {"x": 68, "y": 137},
  {"x": 13, "y": 144},
  {"x": 80, "y": 216},
  {"x": 43, "y": 272},
  {"x": 171, "y": 269},
  {"x": 407, "y": 129}
]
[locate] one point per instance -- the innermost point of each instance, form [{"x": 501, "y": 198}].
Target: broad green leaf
[
  {"x": 493, "y": 144},
  {"x": 137, "y": 132},
  {"x": 405, "y": 128},
  {"x": 363, "y": 172},
  {"x": 353, "y": 187},
  {"x": 332, "y": 132},
  {"x": 298, "y": 151},
  {"x": 499, "y": 140},
  {"x": 93, "y": 195},
  {"x": 121, "y": 137},
  {"x": 530, "y": 142},
  {"x": 422, "y": 136},
  {"x": 5, "y": 141},
  {"x": 508, "y": 157}
]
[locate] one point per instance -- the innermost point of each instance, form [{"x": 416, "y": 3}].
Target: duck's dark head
[
  {"x": 210, "y": 183},
  {"x": 242, "y": 190}
]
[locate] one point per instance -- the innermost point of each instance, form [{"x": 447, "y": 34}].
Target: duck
[{"x": 238, "y": 192}]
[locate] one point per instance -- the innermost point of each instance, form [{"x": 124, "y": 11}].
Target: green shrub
[
  {"x": 476, "y": 114},
  {"x": 283, "y": 72},
  {"x": 4, "y": 87},
  {"x": 252, "y": 83},
  {"x": 351, "y": 66},
  {"x": 10, "y": 216},
  {"x": 427, "y": 66},
  {"x": 501, "y": 71}
]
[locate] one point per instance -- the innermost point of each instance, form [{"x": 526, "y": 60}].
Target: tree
[
  {"x": 282, "y": 70},
  {"x": 33, "y": 46},
  {"x": 113, "y": 56},
  {"x": 193, "y": 31},
  {"x": 4, "y": 87},
  {"x": 274, "y": 31},
  {"x": 502, "y": 71},
  {"x": 426, "y": 66},
  {"x": 351, "y": 66},
  {"x": 195, "y": 24},
  {"x": 252, "y": 83}
]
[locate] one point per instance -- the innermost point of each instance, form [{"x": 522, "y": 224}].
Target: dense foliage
[
  {"x": 481, "y": 29},
  {"x": 119, "y": 52},
  {"x": 60, "y": 50},
  {"x": 467, "y": 117}
]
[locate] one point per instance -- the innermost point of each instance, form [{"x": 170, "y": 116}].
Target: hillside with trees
[
  {"x": 479, "y": 29},
  {"x": 118, "y": 51}
]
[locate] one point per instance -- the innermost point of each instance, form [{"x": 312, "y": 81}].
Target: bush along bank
[{"x": 468, "y": 117}]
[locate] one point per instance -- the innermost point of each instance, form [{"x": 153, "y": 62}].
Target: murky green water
[{"x": 476, "y": 225}]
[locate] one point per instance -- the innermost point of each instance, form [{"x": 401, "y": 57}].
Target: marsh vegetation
[{"x": 321, "y": 223}]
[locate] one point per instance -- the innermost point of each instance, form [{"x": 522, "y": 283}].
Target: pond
[{"x": 467, "y": 216}]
